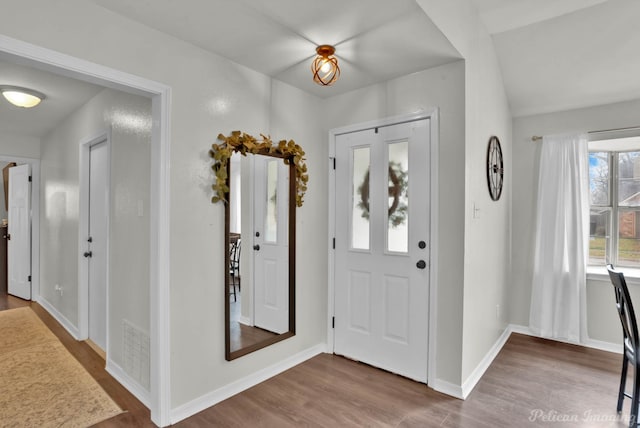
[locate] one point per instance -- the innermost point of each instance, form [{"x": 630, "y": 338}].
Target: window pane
[
  {"x": 629, "y": 238},
  {"x": 599, "y": 178},
  {"x": 599, "y": 237},
  {"x": 629, "y": 179},
  {"x": 360, "y": 202},
  {"x": 398, "y": 211},
  {"x": 271, "y": 222}
]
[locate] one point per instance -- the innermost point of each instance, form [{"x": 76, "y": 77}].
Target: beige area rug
[{"x": 41, "y": 383}]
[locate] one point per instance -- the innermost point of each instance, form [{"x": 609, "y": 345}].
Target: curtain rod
[{"x": 537, "y": 137}]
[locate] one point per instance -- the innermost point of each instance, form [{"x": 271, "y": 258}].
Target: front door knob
[
  {"x": 421, "y": 264},
  {"x": 256, "y": 247},
  {"x": 88, "y": 254}
]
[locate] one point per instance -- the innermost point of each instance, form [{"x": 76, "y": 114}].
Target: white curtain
[{"x": 561, "y": 247}]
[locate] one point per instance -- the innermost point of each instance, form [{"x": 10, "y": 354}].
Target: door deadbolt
[{"x": 422, "y": 245}]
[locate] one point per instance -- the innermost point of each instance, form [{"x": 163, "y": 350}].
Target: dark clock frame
[{"x": 495, "y": 168}]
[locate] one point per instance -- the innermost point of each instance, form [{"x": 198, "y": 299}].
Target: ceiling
[
  {"x": 64, "y": 96},
  {"x": 563, "y": 54},
  {"x": 376, "y": 40},
  {"x": 554, "y": 54}
]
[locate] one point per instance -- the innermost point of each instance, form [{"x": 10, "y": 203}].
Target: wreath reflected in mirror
[{"x": 398, "y": 207}]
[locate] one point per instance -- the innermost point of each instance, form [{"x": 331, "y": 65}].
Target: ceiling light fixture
[
  {"x": 21, "y": 97},
  {"x": 325, "y": 66}
]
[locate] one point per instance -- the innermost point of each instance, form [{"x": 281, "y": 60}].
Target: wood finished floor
[
  {"x": 557, "y": 380},
  {"x": 241, "y": 335}
]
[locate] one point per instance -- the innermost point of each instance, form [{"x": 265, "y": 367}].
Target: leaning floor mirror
[{"x": 260, "y": 197}]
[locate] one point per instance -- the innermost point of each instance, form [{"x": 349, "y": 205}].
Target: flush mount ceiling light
[
  {"x": 21, "y": 97},
  {"x": 325, "y": 66}
]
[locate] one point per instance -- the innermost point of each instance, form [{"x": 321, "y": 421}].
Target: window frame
[{"x": 613, "y": 207}]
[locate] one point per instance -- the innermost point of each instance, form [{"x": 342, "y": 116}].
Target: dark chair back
[{"x": 625, "y": 311}]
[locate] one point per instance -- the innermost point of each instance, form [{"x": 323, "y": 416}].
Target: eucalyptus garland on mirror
[
  {"x": 397, "y": 190},
  {"x": 244, "y": 143}
]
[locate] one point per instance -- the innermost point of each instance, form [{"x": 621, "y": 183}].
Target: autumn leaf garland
[{"x": 244, "y": 143}]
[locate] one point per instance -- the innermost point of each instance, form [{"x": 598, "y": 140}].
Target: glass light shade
[
  {"x": 325, "y": 67},
  {"x": 21, "y": 97}
]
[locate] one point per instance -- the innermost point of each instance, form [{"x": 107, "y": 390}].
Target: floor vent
[{"x": 136, "y": 353}]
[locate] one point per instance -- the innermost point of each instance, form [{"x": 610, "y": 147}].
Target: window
[{"x": 614, "y": 184}]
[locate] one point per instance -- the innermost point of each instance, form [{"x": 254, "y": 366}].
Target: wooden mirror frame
[{"x": 232, "y": 355}]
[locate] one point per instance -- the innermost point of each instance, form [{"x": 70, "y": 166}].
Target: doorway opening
[
  {"x": 27, "y": 257},
  {"x": 158, "y": 398}
]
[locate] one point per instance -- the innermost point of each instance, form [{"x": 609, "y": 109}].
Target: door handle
[
  {"x": 421, "y": 264},
  {"x": 256, "y": 247},
  {"x": 88, "y": 254}
]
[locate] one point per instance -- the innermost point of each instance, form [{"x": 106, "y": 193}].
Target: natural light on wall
[{"x": 21, "y": 97}]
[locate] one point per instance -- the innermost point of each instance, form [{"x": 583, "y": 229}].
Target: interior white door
[
  {"x": 271, "y": 244},
  {"x": 96, "y": 255},
  {"x": 382, "y": 244},
  {"x": 19, "y": 230}
]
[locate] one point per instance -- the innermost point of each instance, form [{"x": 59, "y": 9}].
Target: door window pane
[
  {"x": 360, "y": 202},
  {"x": 629, "y": 238},
  {"x": 271, "y": 220},
  {"x": 629, "y": 179},
  {"x": 599, "y": 178},
  {"x": 398, "y": 201},
  {"x": 599, "y": 237}
]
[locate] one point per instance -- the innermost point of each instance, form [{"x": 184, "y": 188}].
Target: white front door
[
  {"x": 382, "y": 244},
  {"x": 271, "y": 244},
  {"x": 97, "y": 235},
  {"x": 19, "y": 230}
]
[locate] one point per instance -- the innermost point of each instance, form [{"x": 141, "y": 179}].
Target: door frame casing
[
  {"x": 35, "y": 219},
  {"x": 431, "y": 114},
  {"x": 83, "y": 227},
  {"x": 159, "y": 213}
]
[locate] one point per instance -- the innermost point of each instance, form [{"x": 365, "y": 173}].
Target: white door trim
[
  {"x": 35, "y": 219},
  {"x": 159, "y": 201},
  {"x": 433, "y": 244},
  {"x": 83, "y": 227}
]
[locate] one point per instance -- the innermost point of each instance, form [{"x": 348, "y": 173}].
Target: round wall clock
[{"x": 495, "y": 168}]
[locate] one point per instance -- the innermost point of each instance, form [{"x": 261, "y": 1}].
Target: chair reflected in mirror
[{"x": 234, "y": 263}]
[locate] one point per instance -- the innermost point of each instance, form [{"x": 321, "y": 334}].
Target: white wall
[
  {"x": 209, "y": 95},
  {"x": 212, "y": 95},
  {"x": 486, "y": 257},
  {"x": 19, "y": 145},
  {"x": 441, "y": 87},
  {"x": 602, "y": 321},
  {"x": 128, "y": 117}
]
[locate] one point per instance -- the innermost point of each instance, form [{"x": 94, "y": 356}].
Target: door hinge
[
  {"x": 334, "y": 243},
  {"x": 376, "y": 130},
  {"x": 334, "y": 163},
  {"x": 29, "y": 278},
  {"x": 333, "y": 322},
  {"x": 30, "y": 179}
]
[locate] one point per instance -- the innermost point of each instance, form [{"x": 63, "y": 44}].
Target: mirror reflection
[{"x": 260, "y": 238}]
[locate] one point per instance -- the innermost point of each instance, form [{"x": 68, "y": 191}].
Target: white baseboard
[
  {"x": 129, "y": 383},
  {"x": 245, "y": 321},
  {"x": 62, "y": 320},
  {"x": 468, "y": 385},
  {"x": 476, "y": 374},
  {"x": 447, "y": 388},
  {"x": 214, "y": 397},
  {"x": 604, "y": 346},
  {"x": 589, "y": 343}
]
